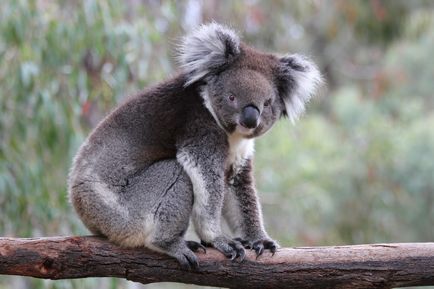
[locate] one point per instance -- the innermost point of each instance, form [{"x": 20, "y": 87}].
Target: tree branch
[{"x": 358, "y": 266}]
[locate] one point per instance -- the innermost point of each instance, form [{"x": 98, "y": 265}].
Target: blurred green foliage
[{"x": 359, "y": 168}]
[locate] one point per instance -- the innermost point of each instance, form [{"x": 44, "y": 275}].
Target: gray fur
[
  {"x": 178, "y": 150},
  {"x": 206, "y": 49},
  {"x": 306, "y": 78}
]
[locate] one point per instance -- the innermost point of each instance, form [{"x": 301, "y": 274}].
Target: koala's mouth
[
  {"x": 237, "y": 127},
  {"x": 244, "y": 131}
]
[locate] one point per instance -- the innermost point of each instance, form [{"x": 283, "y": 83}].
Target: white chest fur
[{"x": 240, "y": 149}]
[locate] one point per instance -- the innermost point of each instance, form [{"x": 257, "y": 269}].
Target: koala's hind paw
[
  {"x": 260, "y": 245},
  {"x": 187, "y": 260},
  {"x": 195, "y": 246},
  {"x": 232, "y": 249}
]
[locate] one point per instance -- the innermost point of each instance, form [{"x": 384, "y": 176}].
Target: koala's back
[
  {"x": 130, "y": 138},
  {"x": 112, "y": 183}
]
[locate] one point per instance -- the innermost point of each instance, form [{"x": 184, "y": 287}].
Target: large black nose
[{"x": 250, "y": 116}]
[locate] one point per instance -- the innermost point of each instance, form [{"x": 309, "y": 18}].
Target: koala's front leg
[
  {"x": 204, "y": 164},
  {"x": 242, "y": 211}
]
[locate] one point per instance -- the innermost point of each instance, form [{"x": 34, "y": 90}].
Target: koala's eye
[
  {"x": 231, "y": 97},
  {"x": 267, "y": 102}
]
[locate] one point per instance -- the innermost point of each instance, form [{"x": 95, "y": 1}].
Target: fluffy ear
[
  {"x": 206, "y": 49},
  {"x": 300, "y": 79}
]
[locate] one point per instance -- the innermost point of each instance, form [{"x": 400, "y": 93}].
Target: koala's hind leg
[
  {"x": 153, "y": 210},
  {"x": 165, "y": 193}
]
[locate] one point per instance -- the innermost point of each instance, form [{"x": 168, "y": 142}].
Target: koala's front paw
[
  {"x": 232, "y": 249},
  {"x": 269, "y": 244},
  {"x": 259, "y": 245}
]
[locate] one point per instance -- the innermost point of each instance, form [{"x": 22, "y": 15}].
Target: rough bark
[{"x": 358, "y": 266}]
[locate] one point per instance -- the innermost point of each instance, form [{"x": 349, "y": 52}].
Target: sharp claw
[
  {"x": 233, "y": 256},
  {"x": 200, "y": 246},
  {"x": 195, "y": 246},
  {"x": 203, "y": 249},
  {"x": 259, "y": 250},
  {"x": 192, "y": 263},
  {"x": 185, "y": 264},
  {"x": 238, "y": 248},
  {"x": 273, "y": 250}
]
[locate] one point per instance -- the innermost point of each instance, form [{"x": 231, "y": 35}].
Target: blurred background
[{"x": 357, "y": 168}]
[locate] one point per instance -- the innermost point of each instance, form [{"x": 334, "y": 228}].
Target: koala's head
[{"x": 245, "y": 90}]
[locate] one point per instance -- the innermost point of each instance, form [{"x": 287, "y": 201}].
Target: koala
[{"x": 183, "y": 150}]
